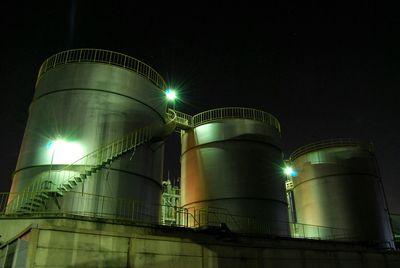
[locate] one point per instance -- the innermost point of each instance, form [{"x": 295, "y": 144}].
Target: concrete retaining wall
[{"x": 77, "y": 243}]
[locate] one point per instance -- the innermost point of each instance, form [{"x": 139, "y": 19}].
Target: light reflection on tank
[
  {"x": 84, "y": 99},
  {"x": 338, "y": 185},
  {"x": 231, "y": 173}
]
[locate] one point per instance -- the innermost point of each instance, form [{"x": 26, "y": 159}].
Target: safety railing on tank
[
  {"x": 102, "y": 56},
  {"x": 182, "y": 120},
  {"x": 236, "y": 112},
  {"x": 224, "y": 113},
  {"x": 331, "y": 143},
  {"x": 57, "y": 181}
]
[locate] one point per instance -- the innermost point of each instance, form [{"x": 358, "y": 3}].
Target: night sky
[{"x": 324, "y": 72}]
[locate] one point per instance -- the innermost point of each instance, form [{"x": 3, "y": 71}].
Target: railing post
[
  {"x": 66, "y": 57},
  {"x": 95, "y": 55}
]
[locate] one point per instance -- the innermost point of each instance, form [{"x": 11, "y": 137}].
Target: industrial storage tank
[
  {"x": 85, "y": 99},
  {"x": 231, "y": 164},
  {"x": 338, "y": 186}
]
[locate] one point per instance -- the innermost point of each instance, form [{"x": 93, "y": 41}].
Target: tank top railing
[
  {"x": 236, "y": 112},
  {"x": 183, "y": 121},
  {"x": 102, "y": 56},
  {"x": 55, "y": 182},
  {"x": 331, "y": 143},
  {"x": 226, "y": 113}
]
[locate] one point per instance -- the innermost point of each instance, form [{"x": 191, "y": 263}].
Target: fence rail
[
  {"x": 105, "y": 207},
  {"x": 102, "y": 56}
]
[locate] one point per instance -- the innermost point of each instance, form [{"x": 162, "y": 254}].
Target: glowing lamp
[
  {"x": 170, "y": 94},
  {"x": 289, "y": 171},
  {"x": 64, "y": 152}
]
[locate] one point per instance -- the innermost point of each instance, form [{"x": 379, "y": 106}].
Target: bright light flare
[
  {"x": 64, "y": 152},
  {"x": 289, "y": 171},
  {"x": 170, "y": 94}
]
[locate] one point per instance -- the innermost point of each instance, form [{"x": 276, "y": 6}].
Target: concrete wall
[{"x": 77, "y": 243}]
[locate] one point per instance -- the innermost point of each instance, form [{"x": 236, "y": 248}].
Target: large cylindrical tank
[
  {"x": 84, "y": 99},
  {"x": 338, "y": 188},
  {"x": 230, "y": 168}
]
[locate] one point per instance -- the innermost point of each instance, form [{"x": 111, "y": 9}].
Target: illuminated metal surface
[
  {"x": 339, "y": 186},
  {"x": 93, "y": 104},
  {"x": 234, "y": 163}
]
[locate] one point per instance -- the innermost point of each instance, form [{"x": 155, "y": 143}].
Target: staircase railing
[{"x": 56, "y": 182}]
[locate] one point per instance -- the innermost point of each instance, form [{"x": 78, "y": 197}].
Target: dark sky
[{"x": 323, "y": 71}]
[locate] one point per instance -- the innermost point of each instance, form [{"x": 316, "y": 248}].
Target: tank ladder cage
[
  {"x": 55, "y": 183},
  {"x": 186, "y": 121},
  {"x": 101, "y": 56}
]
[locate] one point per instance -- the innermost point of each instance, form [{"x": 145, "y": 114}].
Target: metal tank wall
[
  {"x": 338, "y": 185},
  {"x": 230, "y": 171},
  {"x": 91, "y": 99}
]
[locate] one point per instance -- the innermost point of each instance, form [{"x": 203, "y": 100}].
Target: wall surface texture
[{"x": 76, "y": 243}]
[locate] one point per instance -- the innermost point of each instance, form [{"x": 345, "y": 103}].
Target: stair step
[
  {"x": 73, "y": 182},
  {"x": 43, "y": 195},
  {"x": 22, "y": 210},
  {"x": 38, "y": 199},
  {"x": 83, "y": 176},
  {"x": 63, "y": 188},
  {"x": 34, "y": 204},
  {"x": 57, "y": 193},
  {"x": 27, "y": 208},
  {"x": 68, "y": 185}
]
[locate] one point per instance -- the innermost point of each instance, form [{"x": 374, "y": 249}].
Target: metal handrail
[
  {"x": 182, "y": 120},
  {"x": 101, "y": 56},
  {"x": 226, "y": 113},
  {"x": 236, "y": 112},
  {"x": 339, "y": 142},
  {"x": 88, "y": 163},
  {"x": 137, "y": 211}
]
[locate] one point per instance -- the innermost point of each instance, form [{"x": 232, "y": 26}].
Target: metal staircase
[{"x": 57, "y": 182}]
